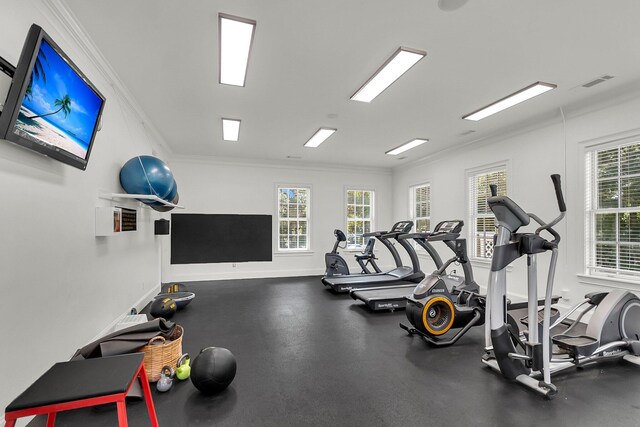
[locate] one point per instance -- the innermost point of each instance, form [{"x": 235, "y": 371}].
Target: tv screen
[{"x": 52, "y": 108}]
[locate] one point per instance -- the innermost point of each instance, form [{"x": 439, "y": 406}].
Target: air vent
[
  {"x": 401, "y": 158},
  {"x": 294, "y": 157},
  {"x": 597, "y": 81},
  {"x": 468, "y": 132}
]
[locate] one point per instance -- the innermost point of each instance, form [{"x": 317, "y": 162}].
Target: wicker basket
[{"x": 157, "y": 355}]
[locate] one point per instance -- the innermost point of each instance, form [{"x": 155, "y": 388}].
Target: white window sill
[
  {"x": 485, "y": 263},
  {"x": 609, "y": 281},
  {"x": 293, "y": 253}
]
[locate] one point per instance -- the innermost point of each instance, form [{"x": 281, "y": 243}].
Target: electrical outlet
[
  {"x": 564, "y": 293},
  {"x": 233, "y": 265}
]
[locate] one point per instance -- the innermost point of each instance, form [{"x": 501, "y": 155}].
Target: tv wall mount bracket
[{"x": 6, "y": 67}]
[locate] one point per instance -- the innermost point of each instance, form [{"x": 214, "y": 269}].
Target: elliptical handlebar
[
  {"x": 556, "y": 183},
  {"x": 494, "y": 190},
  {"x": 561, "y": 206}
]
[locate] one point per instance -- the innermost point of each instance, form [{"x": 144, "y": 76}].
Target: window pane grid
[
  {"x": 421, "y": 197},
  {"x": 359, "y": 216},
  {"x": 293, "y": 206},
  {"x": 482, "y": 218},
  {"x": 613, "y": 210}
]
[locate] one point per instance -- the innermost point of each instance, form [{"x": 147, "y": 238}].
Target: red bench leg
[
  {"x": 122, "y": 413},
  {"x": 147, "y": 397},
  {"x": 9, "y": 423},
  {"x": 51, "y": 419}
]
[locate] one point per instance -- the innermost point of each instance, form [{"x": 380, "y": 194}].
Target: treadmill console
[
  {"x": 402, "y": 227},
  {"x": 452, "y": 226}
]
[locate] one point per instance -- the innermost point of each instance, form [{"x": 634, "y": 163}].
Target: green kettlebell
[{"x": 183, "y": 369}]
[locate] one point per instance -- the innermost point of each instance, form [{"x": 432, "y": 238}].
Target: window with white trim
[
  {"x": 482, "y": 220},
  {"x": 293, "y": 218},
  {"x": 420, "y": 196},
  {"x": 360, "y": 205},
  {"x": 613, "y": 210}
]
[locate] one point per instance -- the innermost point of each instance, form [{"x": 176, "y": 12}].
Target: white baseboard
[{"x": 197, "y": 277}]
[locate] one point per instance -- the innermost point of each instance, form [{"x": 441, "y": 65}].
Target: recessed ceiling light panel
[
  {"x": 511, "y": 100},
  {"x": 319, "y": 137},
  {"x": 230, "y": 129},
  {"x": 235, "y": 37},
  {"x": 399, "y": 63},
  {"x": 408, "y": 146}
]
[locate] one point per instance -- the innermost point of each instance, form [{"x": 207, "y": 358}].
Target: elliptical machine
[
  {"x": 442, "y": 302},
  {"x": 612, "y": 332},
  {"x": 336, "y": 265}
]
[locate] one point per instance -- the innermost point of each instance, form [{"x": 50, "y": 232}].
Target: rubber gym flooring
[{"x": 309, "y": 357}]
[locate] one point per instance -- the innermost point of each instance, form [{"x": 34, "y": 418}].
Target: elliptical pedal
[
  {"x": 555, "y": 314},
  {"x": 580, "y": 345}
]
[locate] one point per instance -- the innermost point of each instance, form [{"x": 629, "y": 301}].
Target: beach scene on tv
[{"x": 59, "y": 109}]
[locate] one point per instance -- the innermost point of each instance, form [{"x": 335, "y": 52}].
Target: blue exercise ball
[
  {"x": 164, "y": 208},
  {"x": 148, "y": 175}
]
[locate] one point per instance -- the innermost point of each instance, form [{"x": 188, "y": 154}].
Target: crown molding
[
  {"x": 66, "y": 22},
  {"x": 277, "y": 164}
]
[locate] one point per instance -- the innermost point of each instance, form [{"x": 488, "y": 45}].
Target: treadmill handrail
[
  {"x": 430, "y": 236},
  {"x": 375, "y": 233},
  {"x": 392, "y": 234},
  {"x": 394, "y": 252},
  {"x": 433, "y": 253},
  {"x": 413, "y": 256}
]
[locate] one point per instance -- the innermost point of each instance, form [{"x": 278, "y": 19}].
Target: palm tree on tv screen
[
  {"x": 64, "y": 104},
  {"x": 37, "y": 73}
]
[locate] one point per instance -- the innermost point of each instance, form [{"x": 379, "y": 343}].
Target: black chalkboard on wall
[{"x": 216, "y": 238}]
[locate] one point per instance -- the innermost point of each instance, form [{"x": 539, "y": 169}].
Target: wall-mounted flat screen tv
[{"x": 52, "y": 107}]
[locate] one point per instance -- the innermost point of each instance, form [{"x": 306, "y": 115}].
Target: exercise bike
[
  {"x": 336, "y": 265},
  {"x": 442, "y": 302},
  {"x": 613, "y": 330}
]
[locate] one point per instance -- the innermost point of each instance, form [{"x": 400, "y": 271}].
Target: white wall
[
  {"x": 61, "y": 285},
  {"x": 532, "y": 155},
  {"x": 245, "y": 188}
]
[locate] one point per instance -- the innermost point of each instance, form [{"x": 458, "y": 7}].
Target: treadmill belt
[{"x": 356, "y": 281}]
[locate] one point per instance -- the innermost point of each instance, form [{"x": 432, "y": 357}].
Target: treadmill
[
  {"x": 448, "y": 232},
  {"x": 400, "y": 275}
]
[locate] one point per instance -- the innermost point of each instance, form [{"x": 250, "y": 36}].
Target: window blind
[
  {"x": 613, "y": 210},
  {"x": 421, "y": 206},
  {"x": 482, "y": 220}
]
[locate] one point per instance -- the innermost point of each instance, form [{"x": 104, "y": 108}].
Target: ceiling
[{"x": 308, "y": 58}]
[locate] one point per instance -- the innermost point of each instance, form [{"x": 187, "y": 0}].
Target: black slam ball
[
  {"x": 213, "y": 369},
  {"x": 163, "y": 307}
]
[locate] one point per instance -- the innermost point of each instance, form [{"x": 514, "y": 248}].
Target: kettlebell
[
  {"x": 183, "y": 369},
  {"x": 166, "y": 379}
]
